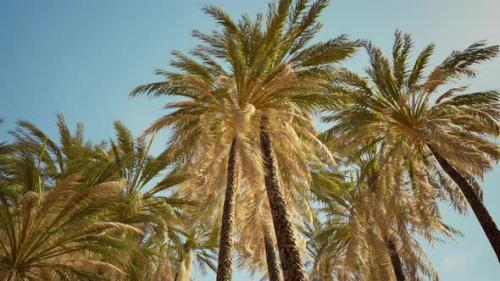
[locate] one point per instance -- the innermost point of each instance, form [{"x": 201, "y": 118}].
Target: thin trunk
[
  {"x": 482, "y": 214},
  {"x": 397, "y": 265},
  {"x": 184, "y": 273},
  {"x": 224, "y": 267},
  {"x": 273, "y": 266},
  {"x": 291, "y": 262}
]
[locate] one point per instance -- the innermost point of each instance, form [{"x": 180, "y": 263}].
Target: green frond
[
  {"x": 125, "y": 140},
  {"x": 419, "y": 67},
  {"x": 400, "y": 53},
  {"x": 190, "y": 66},
  {"x": 332, "y": 51},
  {"x": 222, "y": 18},
  {"x": 460, "y": 63}
]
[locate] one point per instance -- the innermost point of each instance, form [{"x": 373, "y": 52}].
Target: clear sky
[{"x": 82, "y": 57}]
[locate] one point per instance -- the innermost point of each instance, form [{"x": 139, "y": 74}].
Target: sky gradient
[{"x": 82, "y": 58}]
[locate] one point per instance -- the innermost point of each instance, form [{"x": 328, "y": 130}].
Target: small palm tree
[
  {"x": 141, "y": 203},
  {"x": 397, "y": 110},
  {"x": 192, "y": 247},
  {"x": 69, "y": 155},
  {"x": 364, "y": 237},
  {"x": 148, "y": 201},
  {"x": 58, "y": 232}
]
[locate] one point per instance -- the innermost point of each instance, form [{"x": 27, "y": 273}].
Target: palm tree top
[{"x": 407, "y": 102}]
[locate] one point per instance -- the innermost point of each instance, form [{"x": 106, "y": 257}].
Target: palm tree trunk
[
  {"x": 395, "y": 260},
  {"x": 291, "y": 262},
  {"x": 482, "y": 214},
  {"x": 184, "y": 273},
  {"x": 273, "y": 267},
  {"x": 224, "y": 267}
]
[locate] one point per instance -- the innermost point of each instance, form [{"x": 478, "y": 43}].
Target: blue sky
[{"x": 81, "y": 58}]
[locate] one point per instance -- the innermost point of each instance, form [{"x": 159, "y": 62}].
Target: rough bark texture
[
  {"x": 482, "y": 214},
  {"x": 225, "y": 264},
  {"x": 397, "y": 265},
  {"x": 273, "y": 266},
  {"x": 291, "y": 262}
]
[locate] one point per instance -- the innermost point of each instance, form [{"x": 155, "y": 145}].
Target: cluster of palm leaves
[
  {"x": 73, "y": 210},
  {"x": 247, "y": 178}
]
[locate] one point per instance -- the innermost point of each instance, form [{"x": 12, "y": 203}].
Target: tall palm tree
[
  {"x": 280, "y": 75},
  {"x": 397, "y": 106},
  {"x": 274, "y": 71},
  {"x": 209, "y": 132}
]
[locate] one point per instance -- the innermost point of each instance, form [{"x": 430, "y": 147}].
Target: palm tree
[
  {"x": 70, "y": 155},
  {"x": 146, "y": 202},
  {"x": 59, "y": 231},
  {"x": 142, "y": 202},
  {"x": 193, "y": 246},
  {"x": 281, "y": 78},
  {"x": 396, "y": 109},
  {"x": 364, "y": 237},
  {"x": 274, "y": 72},
  {"x": 204, "y": 127}
]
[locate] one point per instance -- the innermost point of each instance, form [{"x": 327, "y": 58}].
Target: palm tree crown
[{"x": 398, "y": 110}]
